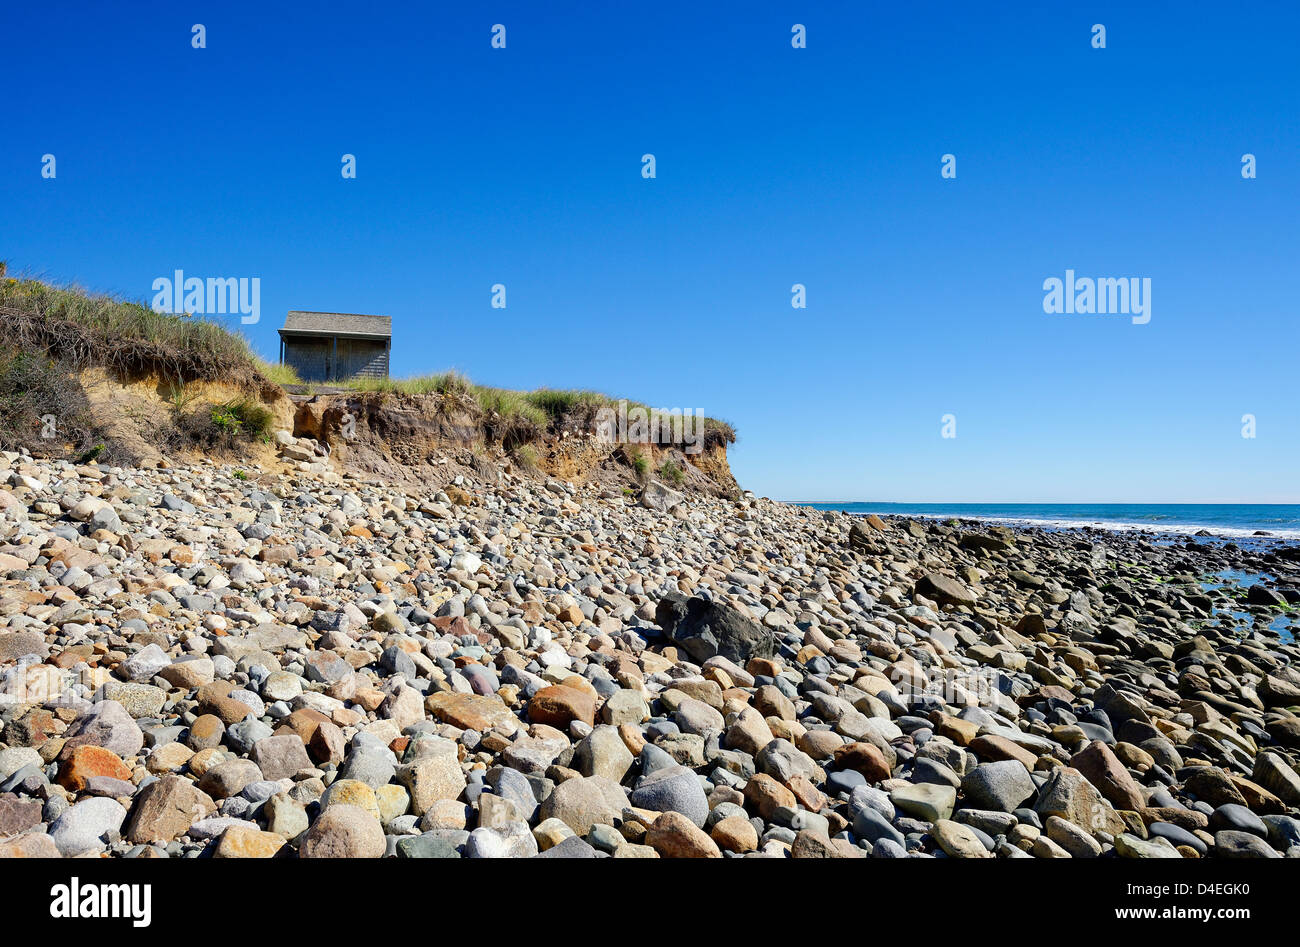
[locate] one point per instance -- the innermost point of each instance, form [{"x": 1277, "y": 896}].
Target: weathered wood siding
[{"x": 315, "y": 358}]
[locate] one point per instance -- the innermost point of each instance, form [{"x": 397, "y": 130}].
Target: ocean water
[{"x": 1228, "y": 520}]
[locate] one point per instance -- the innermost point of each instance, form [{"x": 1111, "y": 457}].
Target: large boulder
[
  {"x": 584, "y": 801},
  {"x": 165, "y": 809},
  {"x": 106, "y": 724},
  {"x": 944, "y": 590},
  {"x": 86, "y": 827},
  {"x": 676, "y": 789},
  {"x": 704, "y": 629},
  {"x": 1002, "y": 786},
  {"x": 1277, "y": 691},
  {"x": 655, "y": 496},
  {"x": 344, "y": 831},
  {"x": 1104, "y": 770},
  {"x": 864, "y": 535},
  {"x": 1068, "y": 794}
]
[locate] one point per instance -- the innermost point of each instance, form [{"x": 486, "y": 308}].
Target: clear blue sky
[{"x": 775, "y": 166}]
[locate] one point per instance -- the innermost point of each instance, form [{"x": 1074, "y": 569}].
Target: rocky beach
[{"x": 287, "y": 660}]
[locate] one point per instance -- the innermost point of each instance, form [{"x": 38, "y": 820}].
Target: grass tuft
[
  {"x": 671, "y": 472},
  {"x": 277, "y": 374},
  {"x": 94, "y": 330},
  {"x": 640, "y": 463}
]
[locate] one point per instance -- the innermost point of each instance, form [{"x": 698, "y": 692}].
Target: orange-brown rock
[
  {"x": 86, "y": 761},
  {"x": 991, "y": 748},
  {"x": 239, "y": 841},
  {"x": 558, "y": 705},
  {"x": 734, "y": 834},
  {"x": 302, "y": 722},
  {"x": 165, "y": 810},
  {"x": 1103, "y": 769},
  {"x": 809, "y": 796},
  {"x": 765, "y": 795},
  {"x": 674, "y": 836},
  {"x": 866, "y": 758},
  {"x": 959, "y": 731},
  {"x": 470, "y": 711},
  {"x": 215, "y": 699}
]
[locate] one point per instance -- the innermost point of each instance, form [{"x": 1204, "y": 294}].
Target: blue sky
[{"x": 775, "y": 166}]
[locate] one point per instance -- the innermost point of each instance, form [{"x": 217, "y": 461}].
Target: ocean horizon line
[
  {"x": 1225, "y": 520},
  {"x": 806, "y": 502}
]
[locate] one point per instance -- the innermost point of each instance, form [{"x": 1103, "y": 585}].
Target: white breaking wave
[{"x": 1179, "y": 529}]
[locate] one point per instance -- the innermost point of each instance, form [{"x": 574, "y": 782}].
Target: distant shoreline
[{"x": 1231, "y": 521}]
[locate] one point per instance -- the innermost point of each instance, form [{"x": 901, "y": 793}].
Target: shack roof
[{"x": 349, "y": 324}]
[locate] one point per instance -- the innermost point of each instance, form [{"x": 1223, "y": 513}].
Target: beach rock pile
[
  {"x": 208, "y": 661},
  {"x": 306, "y": 454}
]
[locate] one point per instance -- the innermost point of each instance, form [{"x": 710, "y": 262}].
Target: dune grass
[
  {"x": 277, "y": 374},
  {"x": 542, "y": 408},
  {"x": 86, "y": 329},
  {"x": 445, "y": 383}
]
